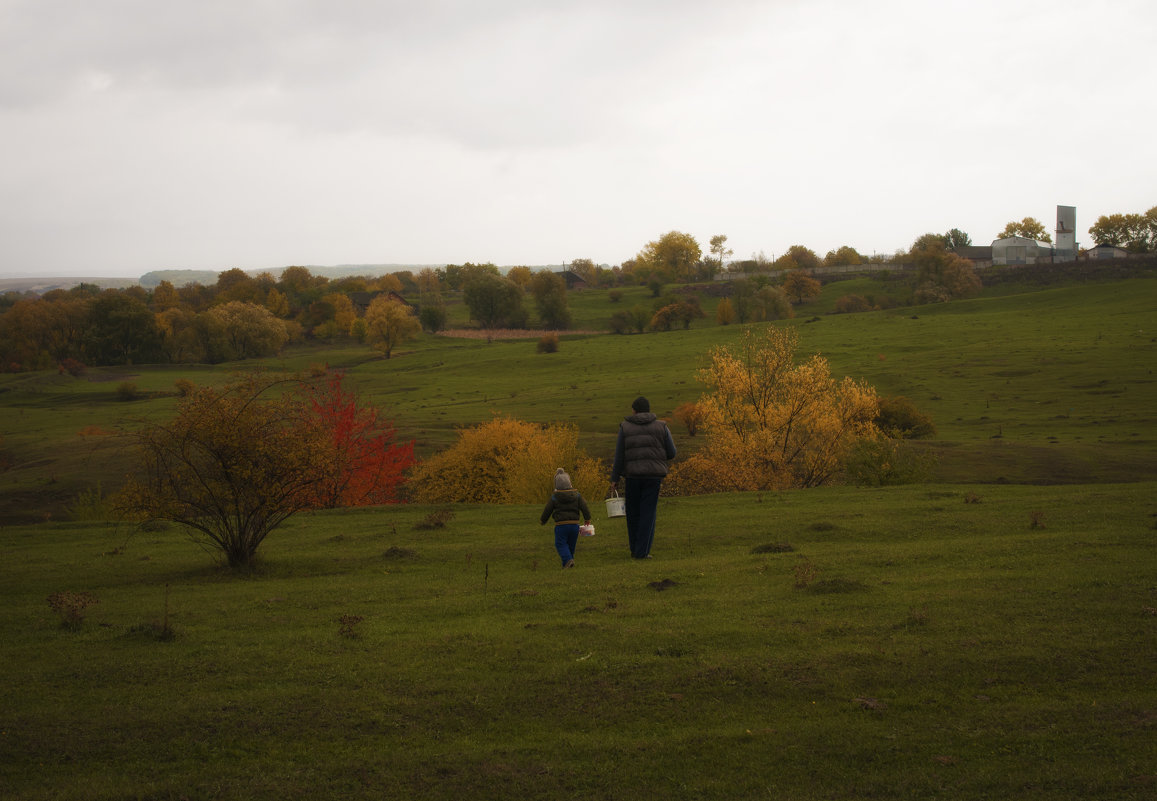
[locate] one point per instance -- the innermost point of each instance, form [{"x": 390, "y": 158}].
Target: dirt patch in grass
[
  {"x": 100, "y": 378},
  {"x": 504, "y": 333},
  {"x": 835, "y": 586},
  {"x": 773, "y": 547}
]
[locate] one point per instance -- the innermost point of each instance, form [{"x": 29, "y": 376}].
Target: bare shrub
[
  {"x": 435, "y": 520},
  {"x": 851, "y": 304},
  {"x": 805, "y": 574},
  {"x": 348, "y": 624},
  {"x": 73, "y": 367},
  {"x": 396, "y": 554},
  {"x": 548, "y": 343},
  {"x": 71, "y": 607}
]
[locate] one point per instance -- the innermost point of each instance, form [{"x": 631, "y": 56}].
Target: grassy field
[
  {"x": 988, "y": 634},
  {"x": 969, "y": 642},
  {"x": 1041, "y": 386}
]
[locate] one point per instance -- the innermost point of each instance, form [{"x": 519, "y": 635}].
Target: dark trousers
[
  {"x": 642, "y": 501},
  {"x": 565, "y": 541}
]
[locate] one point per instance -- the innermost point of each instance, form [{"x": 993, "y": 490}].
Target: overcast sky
[{"x": 158, "y": 134}]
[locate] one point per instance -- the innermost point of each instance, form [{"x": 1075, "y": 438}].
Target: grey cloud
[{"x": 483, "y": 74}]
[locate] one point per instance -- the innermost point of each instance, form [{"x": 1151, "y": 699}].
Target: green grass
[
  {"x": 1052, "y": 385},
  {"x": 943, "y": 649},
  {"x": 1025, "y": 385}
]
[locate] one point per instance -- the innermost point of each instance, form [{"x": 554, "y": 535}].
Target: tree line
[
  {"x": 243, "y": 316},
  {"x": 1136, "y": 233}
]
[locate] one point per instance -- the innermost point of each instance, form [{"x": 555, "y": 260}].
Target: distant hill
[
  {"x": 208, "y": 277},
  {"x": 150, "y": 280},
  {"x": 41, "y": 284},
  {"x": 178, "y": 277}
]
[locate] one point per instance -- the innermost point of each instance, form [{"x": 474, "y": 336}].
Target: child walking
[{"x": 565, "y": 505}]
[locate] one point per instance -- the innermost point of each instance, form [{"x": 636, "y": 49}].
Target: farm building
[
  {"x": 362, "y": 300},
  {"x": 1021, "y": 250},
  {"x": 1107, "y": 252},
  {"x": 979, "y": 255},
  {"x": 573, "y": 280}
]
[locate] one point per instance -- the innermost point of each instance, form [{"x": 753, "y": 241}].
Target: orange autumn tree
[
  {"x": 770, "y": 423},
  {"x": 506, "y": 461}
]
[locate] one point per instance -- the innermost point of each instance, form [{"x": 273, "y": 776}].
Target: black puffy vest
[{"x": 644, "y": 441}]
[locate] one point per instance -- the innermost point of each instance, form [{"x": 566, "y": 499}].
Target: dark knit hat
[
  {"x": 641, "y": 404},
  {"x": 561, "y": 480}
]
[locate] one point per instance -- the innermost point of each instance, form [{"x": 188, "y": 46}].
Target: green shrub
[
  {"x": 433, "y": 318},
  {"x": 900, "y": 419},
  {"x": 621, "y": 322},
  {"x": 127, "y": 391},
  {"x": 885, "y": 463},
  {"x": 91, "y": 505}
]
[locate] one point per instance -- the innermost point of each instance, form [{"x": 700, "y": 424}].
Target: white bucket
[{"x": 616, "y": 506}]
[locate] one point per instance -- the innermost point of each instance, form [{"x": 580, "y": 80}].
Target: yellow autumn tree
[
  {"x": 344, "y": 315},
  {"x": 389, "y": 323},
  {"x": 770, "y": 423},
  {"x": 725, "y": 312},
  {"x": 506, "y": 461}
]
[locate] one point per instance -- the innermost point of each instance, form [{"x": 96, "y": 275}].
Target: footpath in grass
[{"x": 961, "y": 642}]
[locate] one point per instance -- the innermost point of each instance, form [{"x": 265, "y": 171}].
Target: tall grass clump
[{"x": 91, "y": 505}]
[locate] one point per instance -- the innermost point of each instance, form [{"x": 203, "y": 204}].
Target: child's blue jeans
[{"x": 566, "y": 540}]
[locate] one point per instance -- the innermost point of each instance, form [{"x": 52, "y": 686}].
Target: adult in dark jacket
[{"x": 643, "y": 448}]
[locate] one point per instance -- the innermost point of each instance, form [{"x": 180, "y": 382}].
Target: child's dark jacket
[{"x": 566, "y": 506}]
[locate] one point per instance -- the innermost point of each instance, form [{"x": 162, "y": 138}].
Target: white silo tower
[{"x": 1066, "y": 242}]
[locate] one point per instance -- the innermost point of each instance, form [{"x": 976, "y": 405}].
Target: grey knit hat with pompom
[{"x": 561, "y": 480}]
